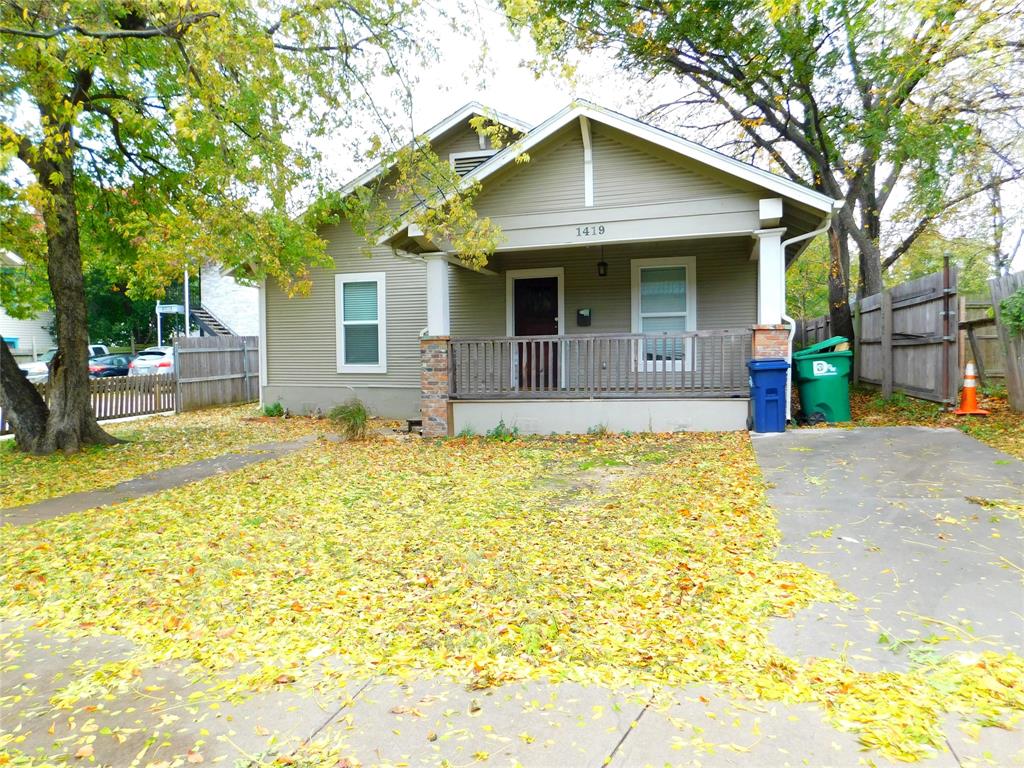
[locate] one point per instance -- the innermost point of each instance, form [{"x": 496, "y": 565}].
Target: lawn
[
  {"x": 1002, "y": 428},
  {"x": 610, "y": 560},
  {"x": 150, "y": 444}
]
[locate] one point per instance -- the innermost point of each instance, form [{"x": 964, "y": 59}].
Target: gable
[
  {"x": 629, "y": 171},
  {"x": 552, "y": 180}
]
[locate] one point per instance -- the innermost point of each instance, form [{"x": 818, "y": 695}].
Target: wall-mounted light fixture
[{"x": 602, "y": 265}]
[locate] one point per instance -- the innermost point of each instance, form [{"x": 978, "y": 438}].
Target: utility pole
[
  {"x": 159, "y": 329},
  {"x": 187, "y": 308}
]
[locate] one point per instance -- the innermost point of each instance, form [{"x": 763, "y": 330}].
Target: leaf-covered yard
[
  {"x": 150, "y": 444},
  {"x": 640, "y": 560}
]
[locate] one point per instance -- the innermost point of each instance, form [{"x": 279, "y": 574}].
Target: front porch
[{"x": 641, "y": 336}]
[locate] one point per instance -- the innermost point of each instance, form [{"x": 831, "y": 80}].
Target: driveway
[{"x": 906, "y": 519}]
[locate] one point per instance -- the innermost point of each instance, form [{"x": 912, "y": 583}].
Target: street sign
[{"x": 170, "y": 309}]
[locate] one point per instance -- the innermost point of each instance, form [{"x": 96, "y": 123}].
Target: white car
[
  {"x": 152, "y": 360},
  {"x": 39, "y": 370}
]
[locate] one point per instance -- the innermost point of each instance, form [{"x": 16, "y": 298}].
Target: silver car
[{"x": 151, "y": 361}]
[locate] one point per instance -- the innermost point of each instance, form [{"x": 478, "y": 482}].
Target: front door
[{"x": 535, "y": 313}]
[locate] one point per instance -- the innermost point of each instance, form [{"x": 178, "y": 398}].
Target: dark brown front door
[{"x": 535, "y": 307}]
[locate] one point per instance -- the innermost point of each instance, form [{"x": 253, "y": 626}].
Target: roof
[
  {"x": 684, "y": 147},
  {"x": 455, "y": 119}
]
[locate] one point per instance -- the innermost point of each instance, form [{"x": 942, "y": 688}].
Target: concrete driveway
[{"x": 903, "y": 517}]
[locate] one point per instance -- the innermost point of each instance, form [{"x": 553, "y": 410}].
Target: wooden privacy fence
[
  {"x": 905, "y": 338},
  {"x": 216, "y": 370},
  {"x": 1013, "y": 346},
  {"x": 120, "y": 396},
  {"x": 979, "y": 338}
]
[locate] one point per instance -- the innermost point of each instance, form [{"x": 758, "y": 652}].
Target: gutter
[{"x": 786, "y": 318}]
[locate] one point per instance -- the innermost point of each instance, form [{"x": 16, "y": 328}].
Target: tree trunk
[
  {"x": 22, "y": 404},
  {"x": 839, "y": 282},
  {"x": 69, "y": 423},
  {"x": 72, "y": 423}
]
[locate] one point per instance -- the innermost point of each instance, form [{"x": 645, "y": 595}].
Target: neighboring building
[
  {"x": 228, "y": 307},
  {"x": 639, "y": 273},
  {"x": 27, "y": 338}
]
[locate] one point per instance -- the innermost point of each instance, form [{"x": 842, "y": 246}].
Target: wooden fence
[
  {"x": 120, "y": 396},
  {"x": 216, "y": 370},
  {"x": 905, "y": 338},
  {"x": 979, "y": 338},
  {"x": 1013, "y": 346}
]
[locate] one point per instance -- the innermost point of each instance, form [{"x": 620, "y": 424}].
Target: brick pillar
[
  {"x": 770, "y": 341},
  {"x": 434, "y": 385}
]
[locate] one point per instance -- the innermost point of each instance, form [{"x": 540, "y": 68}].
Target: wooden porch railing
[{"x": 618, "y": 365}]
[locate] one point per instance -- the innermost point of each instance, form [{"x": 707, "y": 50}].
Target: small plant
[
  {"x": 503, "y": 432},
  {"x": 352, "y": 418},
  {"x": 275, "y": 410},
  {"x": 599, "y": 430},
  {"x": 1011, "y": 310},
  {"x": 467, "y": 432}
]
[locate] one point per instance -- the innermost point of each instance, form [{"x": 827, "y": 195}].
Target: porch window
[
  {"x": 361, "y": 317},
  {"x": 663, "y": 304}
]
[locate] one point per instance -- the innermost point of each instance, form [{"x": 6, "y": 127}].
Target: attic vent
[{"x": 466, "y": 162}]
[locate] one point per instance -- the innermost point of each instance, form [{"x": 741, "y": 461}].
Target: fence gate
[
  {"x": 907, "y": 339},
  {"x": 216, "y": 370},
  {"x": 1001, "y": 287}
]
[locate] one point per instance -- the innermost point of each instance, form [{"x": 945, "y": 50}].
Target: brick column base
[
  {"x": 434, "y": 386},
  {"x": 770, "y": 341}
]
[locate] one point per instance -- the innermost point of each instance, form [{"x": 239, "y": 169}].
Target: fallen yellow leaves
[
  {"x": 642, "y": 560},
  {"x": 151, "y": 444}
]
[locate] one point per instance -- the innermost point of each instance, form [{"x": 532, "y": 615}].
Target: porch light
[{"x": 602, "y": 268}]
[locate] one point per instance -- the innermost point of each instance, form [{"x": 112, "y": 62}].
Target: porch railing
[{"x": 618, "y": 365}]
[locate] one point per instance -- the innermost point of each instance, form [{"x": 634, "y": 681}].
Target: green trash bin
[{"x": 823, "y": 379}]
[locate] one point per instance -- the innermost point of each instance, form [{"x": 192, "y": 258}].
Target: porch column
[
  {"x": 771, "y": 276},
  {"x": 434, "y": 386},
  {"x": 438, "y": 322}
]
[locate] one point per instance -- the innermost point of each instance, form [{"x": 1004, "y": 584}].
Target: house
[
  {"x": 26, "y": 338},
  {"x": 638, "y": 274},
  {"x": 228, "y": 307}
]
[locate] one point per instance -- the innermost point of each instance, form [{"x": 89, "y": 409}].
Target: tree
[
  {"x": 158, "y": 132},
  {"x": 881, "y": 103}
]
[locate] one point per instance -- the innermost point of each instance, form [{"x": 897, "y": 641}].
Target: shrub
[
  {"x": 352, "y": 418},
  {"x": 598, "y": 429},
  {"x": 1011, "y": 310},
  {"x": 274, "y": 409},
  {"x": 467, "y": 432},
  {"x": 503, "y": 432}
]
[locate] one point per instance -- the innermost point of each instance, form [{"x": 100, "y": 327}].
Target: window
[
  {"x": 359, "y": 308},
  {"x": 663, "y": 303}
]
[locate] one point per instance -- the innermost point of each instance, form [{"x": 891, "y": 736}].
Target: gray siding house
[{"x": 638, "y": 274}]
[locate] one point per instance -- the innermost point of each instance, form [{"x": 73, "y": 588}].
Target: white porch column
[
  {"x": 771, "y": 276},
  {"x": 438, "y": 319}
]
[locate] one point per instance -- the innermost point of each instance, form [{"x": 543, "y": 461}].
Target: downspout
[{"x": 792, "y": 323}]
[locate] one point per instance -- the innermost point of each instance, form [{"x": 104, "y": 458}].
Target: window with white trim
[
  {"x": 663, "y": 304},
  {"x": 361, "y": 318}
]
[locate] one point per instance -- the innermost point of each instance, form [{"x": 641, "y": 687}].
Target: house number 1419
[{"x": 590, "y": 231}]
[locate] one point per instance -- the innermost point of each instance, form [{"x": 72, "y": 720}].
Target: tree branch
[{"x": 172, "y": 29}]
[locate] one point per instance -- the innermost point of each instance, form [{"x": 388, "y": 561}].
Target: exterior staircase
[{"x": 208, "y": 323}]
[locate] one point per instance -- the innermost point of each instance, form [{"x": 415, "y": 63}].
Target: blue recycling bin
[{"x": 768, "y": 394}]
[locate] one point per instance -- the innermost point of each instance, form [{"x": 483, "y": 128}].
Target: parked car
[
  {"x": 152, "y": 360},
  {"x": 39, "y": 370},
  {"x": 103, "y": 366}
]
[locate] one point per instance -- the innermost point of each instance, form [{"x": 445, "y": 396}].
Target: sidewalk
[{"x": 145, "y": 485}]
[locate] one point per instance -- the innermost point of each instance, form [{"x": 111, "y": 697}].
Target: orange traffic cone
[{"x": 969, "y": 395}]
